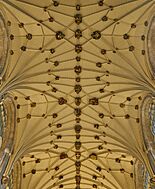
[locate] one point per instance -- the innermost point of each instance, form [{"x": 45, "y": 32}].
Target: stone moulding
[
  {"x": 148, "y": 135},
  {"x": 8, "y": 137}
]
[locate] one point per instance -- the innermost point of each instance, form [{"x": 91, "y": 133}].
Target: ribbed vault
[{"x": 78, "y": 73}]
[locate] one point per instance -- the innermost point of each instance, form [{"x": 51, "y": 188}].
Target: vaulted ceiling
[{"x": 78, "y": 85}]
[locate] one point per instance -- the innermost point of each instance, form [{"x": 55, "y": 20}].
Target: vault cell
[{"x": 3, "y": 41}]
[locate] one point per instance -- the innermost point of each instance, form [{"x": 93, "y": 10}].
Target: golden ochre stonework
[{"x": 77, "y": 91}]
